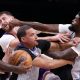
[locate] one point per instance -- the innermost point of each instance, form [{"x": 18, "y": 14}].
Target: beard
[
  {"x": 74, "y": 28},
  {"x": 7, "y": 28}
]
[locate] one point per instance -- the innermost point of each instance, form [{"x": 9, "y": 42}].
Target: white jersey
[
  {"x": 5, "y": 41},
  {"x": 64, "y": 28}
]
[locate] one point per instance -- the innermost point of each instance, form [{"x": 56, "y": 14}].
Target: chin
[
  {"x": 74, "y": 24},
  {"x": 36, "y": 43}
]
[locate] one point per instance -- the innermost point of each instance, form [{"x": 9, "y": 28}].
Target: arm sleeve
[
  {"x": 43, "y": 45},
  {"x": 64, "y": 28}
]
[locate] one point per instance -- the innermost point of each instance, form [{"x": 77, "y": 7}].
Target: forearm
[
  {"x": 67, "y": 54},
  {"x": 7, "y": 68},
  {"x": 56, "y": 62},
  {"x": 57, "y": 46},
  {"x": 40, "y": 26},
  {"x": 49, "y": 38},
  {"x": 49, "y": 63},
  {"x": 60, "y": 62},
  {"x": 54, "y": 46},
  {"x": 64, "y": 46}
]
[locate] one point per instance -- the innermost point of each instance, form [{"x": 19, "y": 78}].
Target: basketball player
[
  {"x": 72, "y": 29},
  {"x": 28, "y": 42},
  {"x": 9, "y": 38},
  {"x": 48, "y": 27}
]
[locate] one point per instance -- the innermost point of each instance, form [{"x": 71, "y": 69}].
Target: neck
[
  {"x": 27, "y": 46},
  {"x": 12, "y": 33}
]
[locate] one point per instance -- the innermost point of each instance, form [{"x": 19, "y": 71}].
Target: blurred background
[{"x": 46, "y": 11}]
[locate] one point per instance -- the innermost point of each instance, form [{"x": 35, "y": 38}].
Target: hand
[
  {"x": 70, "y": 43},
  {"x": 63, "y": 37},
  {"x": 8, "y": 53},
  {"x": 76, "y": 41},
  {"x": 22, "y": 69}
]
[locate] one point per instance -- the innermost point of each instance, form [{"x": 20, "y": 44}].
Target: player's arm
[
  {"x": 68, "y": 54},
  {"x": 36, "y": 25},
  {"x": 12, "y": 44},
  {"x": 11, "y": 68},
  {"x": 59, "y": 37},
  {"x": 57, "y": 46},
  {"x": 49, "y": 63}
]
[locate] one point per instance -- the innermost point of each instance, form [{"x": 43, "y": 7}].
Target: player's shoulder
[
  {"x": 7, "y": 36},
  {"x": 64, "y": 25}
]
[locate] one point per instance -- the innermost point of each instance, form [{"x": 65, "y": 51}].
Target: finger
[
  {"x": 60, "y": 40},
  {"x": 76, "y": 43},
  {"x": 64, "y": 38},
  {"x": 8, "y": 53},
  {"x": 26, "y": 68}
]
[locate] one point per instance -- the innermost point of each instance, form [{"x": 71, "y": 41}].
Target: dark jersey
[{"x": 43, "y": 45}]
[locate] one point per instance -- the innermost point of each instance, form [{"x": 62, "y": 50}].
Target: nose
[
  {"x": 36, "y": 36},
  {"x": 73, "y": 20}
]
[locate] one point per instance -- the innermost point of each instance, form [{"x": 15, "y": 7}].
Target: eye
[
  {"x": 4, "y": 18},
  {"x": 32, "y": 34}
]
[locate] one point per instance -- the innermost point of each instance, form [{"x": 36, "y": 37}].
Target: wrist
[{"x": 54, "y": 38}]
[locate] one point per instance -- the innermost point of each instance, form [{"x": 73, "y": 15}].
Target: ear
[{"x": 22, "y": 39}]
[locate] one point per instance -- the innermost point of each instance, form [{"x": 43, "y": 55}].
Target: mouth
[
  {"x": 36, "y": 42},
  {"x": 6, "y": 27}
]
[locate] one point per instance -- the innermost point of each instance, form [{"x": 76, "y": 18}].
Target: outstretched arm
[
  {"x": 58, "y": 37},
  {"x": 58, "y": 46},
  {"x": 36, "y": 25},
  {"x": 68, "y": 54},
  {"x": 44, "y": 27},
  {"x": 49, "y": 63}
]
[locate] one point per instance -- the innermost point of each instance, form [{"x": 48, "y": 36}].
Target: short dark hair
[
  {"x": 22, "y": 31},
  {"x": 6, "y": 12}
]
